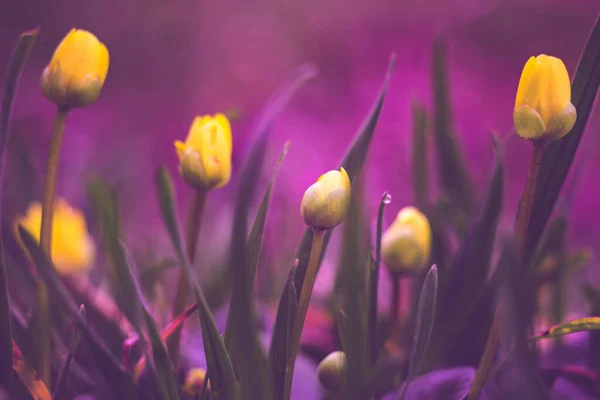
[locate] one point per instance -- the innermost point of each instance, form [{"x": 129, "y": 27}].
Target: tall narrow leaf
[
  {"x": 15, "y": 66},
  {"x": 559, "y": 156},
  {"x": 62, "y": 380},
  {"x": 121, "y": 383},
  {"x": 420, "y": 166},
  {"x": 352, "y": 162},
  {"x": 452, "y": 170},
  {"x": 424, "y": 323},
  {"x": 107, "y": 212},
  {"x": 218, "y": 362},
  {"x": 282, "y": 331}
]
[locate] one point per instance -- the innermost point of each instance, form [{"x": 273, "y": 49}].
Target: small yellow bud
[
  {"x": 543, "y": 107},
  {"x": 72, "y": 249},
  {"x": 332, "y": 371},
  {"x": 325, "y": 202},
  {"x": 205, "y": 157},
  {"x": 406, "y": 244},
  {"x": 194, "y": 382},
  {"x": 77, "y": 70}
]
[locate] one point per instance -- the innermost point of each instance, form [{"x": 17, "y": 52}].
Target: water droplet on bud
[{"x": 387, "y": 198}]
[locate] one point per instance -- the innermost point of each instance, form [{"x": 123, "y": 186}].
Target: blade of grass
[
  {"x": 420, "y": 166},
  {"x": 352, "y": 162},
  {"x": 282, "y": 330},
  {"x": 120, "y": 382},
  {"x": 559, "y": 156},
  {"x": 219, "y": 365},
  {"x": 424, "y": 324},
  {"x": 62, "y": 380},
  {"x": 15, "y": 67}
]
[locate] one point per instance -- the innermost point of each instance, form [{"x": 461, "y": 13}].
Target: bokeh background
[{"x": 172, "y": 60}]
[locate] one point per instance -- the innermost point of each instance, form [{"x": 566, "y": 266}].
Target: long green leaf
[
  {"x": 106, "y": 209},
  {"x": 219, "y": 365},
  {"x": 62, "y": 380},
  {"x": 282, "y": 331},
  {"x": 565, "y": 328},
  {"x": 465, "y": 284},
  {"x": 120, "y": 381},
  {"x": 424, "y": 323},
  {"x": 594, "y": 337},
  {"x": 15, "y": 67},
  {"x": 420, "y": 166},
  {"x": 352, "y": 162},
  {"x": 453, "y": 174},
  {"x": 559, "y": 156}
]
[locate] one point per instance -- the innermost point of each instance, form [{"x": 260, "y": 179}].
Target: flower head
[
  {"x": 406, "y": 244},
  {"x": 325, "y": 202},
  {"x": 205, "y": 156},
  {"x": 72, "y": 247},
  {"x": 194, "y": 382},
  {"x": 332, "y": 371},
  {"x": 77, "y": 70},
  {"x": 543, "y": 107}
]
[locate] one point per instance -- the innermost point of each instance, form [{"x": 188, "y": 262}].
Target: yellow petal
[
  {"x": 225, "y": 126},
  {"x": 527, "y": 92},
  {"x": 180, "y": 148},
  {"x": 560, "y": 85}
]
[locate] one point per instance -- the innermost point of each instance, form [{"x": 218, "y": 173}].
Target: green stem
[
  {"x": 43, "y": 320},
  {"x": 305, "y": 294},
  {"x": 395, "y": 309},
  {"x": 183, "y": 286},
  {"x": 521, "y": 228}
]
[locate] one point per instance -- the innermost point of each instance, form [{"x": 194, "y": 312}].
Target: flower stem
[
  {"x": 43, "y": 319},
  {"x": 183, "y": 286},
  {"x": 395, "y": 309},
  {"x": 305, "y": 294},
  {"x": 521, "y": 228}
]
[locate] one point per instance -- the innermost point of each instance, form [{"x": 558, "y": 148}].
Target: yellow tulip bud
[
  {"x": 72, "y": 249},
  {"x": 543, "y": 108},
  {"x": 205, "y": 157},
  {"x": 406, "y": 244},
  {"x": 194, "y": 382},
  {"x": 77, "y": 70},
  {"x": 325, "y": 202},
  {"x": 332, "y": 371}
]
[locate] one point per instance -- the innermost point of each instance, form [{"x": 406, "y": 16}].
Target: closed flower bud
[
  {"x": 543, "y": 108},
  {"x": 72, "y": 247},
  {"x": 205, "y": 156},
  {"x": 194, "y": 382},
  {"x": 325, "y": 203},
  {"x": 332, "y": 371},
  {"x": 406, "y": 244},
  {"x": 77, "y": 70}
]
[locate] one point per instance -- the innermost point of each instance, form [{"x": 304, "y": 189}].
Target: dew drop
[{"x": 387, "y": 198}]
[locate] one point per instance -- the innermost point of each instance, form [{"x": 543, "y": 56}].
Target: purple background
[{"x": 172, "y": 60}]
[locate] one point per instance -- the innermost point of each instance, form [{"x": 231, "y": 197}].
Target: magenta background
[{"x": 172, "y": 60}]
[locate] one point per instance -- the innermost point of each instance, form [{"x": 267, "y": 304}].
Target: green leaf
[
  {"x": 62, "y": 380},
  {"x": 121, "y": 383},
  {"x": 219, "y": 366},
  {"x": 374, "y": 283},
  {"x": 106, "y": 210},
  {"x": 594, "y": 337},
  {"x": 355, "y": 258},
  {"x": 15, "y": 67},
  {"x": 466, "y": 281},
  {"x": 452, "y": 170},
  {"x": 352, "y": 162},
  {"x": 551, "y": 241},
  {"x": 282, "y": 330},
  {"x": 343, "y": 329},
  {"x": 565, "y": 328},
  {"x": 420, "y": 166},
  {"x": 559, "y": 156},
  {"x": 424, "y": 323}
]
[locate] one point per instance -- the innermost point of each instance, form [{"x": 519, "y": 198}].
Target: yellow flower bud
[
  {"x": 77, "y": 70},
  {"x": 543, "y": 106},
  {"x": 72, "y": 249},
  {"x": 325, "y": 202},
  {"x": 205, "y": 157},
  {"x": 332, "y": 371},
  {"x": 194, "y": 382},
  {"x": 406, "y": 244}
]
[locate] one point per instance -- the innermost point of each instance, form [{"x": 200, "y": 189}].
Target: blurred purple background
[{"x": 172, "y": 60}]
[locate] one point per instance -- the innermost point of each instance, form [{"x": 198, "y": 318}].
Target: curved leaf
[{"x": 565, "y": 328}]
